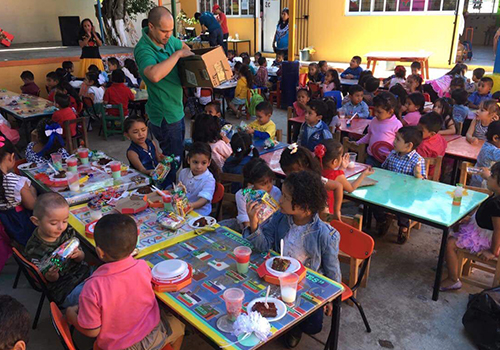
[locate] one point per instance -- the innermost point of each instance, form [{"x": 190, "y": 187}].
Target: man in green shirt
[{"x": 157, "y": 54}]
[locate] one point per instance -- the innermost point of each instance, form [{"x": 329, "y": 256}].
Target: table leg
[
  {"x": 439, "y": 271},
  {"x": 368, "y": 64},
  {"x": 454, "y": 172},
  {"x": 374, "y": 65},
  {"x": 333, "y": 338},
  {"x": 288, "y": 131},
  {"x": 426, "y": 63}
]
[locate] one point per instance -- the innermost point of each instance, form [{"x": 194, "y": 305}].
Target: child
[
  {"x": 414, "y": 108},
  {"x": 204, "y": 95},
  {"x": 130, "y": 65},
  {"x": 460, "y": 110},
  {"x": 245, "y": 83},
  {"x": 483, "y": 92},
  {"x": 477, "y": 75},
  {"x": 440, "y": 87},
  {"x": 242, "y": 146},
  {"x": 91, "y": 88},
  {"x": 433, "y": 144},
  {"x": 261, "y": 78},
  {"x": 142, "y": 154},
  {"x": 231, "y": 54},
  {"x": 29, "y": 87},
  {"x": 64, "y": 88},
  {"x": 370, "y": 90},
  {"x": 313, "y": 74},
  {"x": 314, "y": 129},
  {"x": 416, "y": 68},
  {"x": 114, "y": 64},
  {"x": 200, "y": 178},
  {"x": 64, "y": 113},
  {"x": 490, "y": 152},
  {"x": 323, "y": 69},
  {"x": 246, "y": 62},
  {"x": 444, "y": 109},
  {"x": 17, "y": 196},
  {"x": 280, "y": 57},
  {"x": 356, "y": 105},
  {"x": 256, "y": 175},
  {"x": 51, "y": 81},
  {"x": 117, "y": 304},
  {"x": 256, "y": 59},
  {"x": 263, "y": 127},
  {"x": 300, "y": 106},
  {"x": 383, "y": 127},
  {"x": 456, "y": 84},
  {"x": 69, "y": 68},
  {"x": 103, "y": 76},
  {"x": 414, "y": 84},
  {"x": 354, "y": 69},
  {"x": 488, "y": 112},
  {"x": 118, "y": 93},
  {"x": 14, "y": 324},
  {"x": 43, "y": 145},
  {"x": 50, "y": 215},
  {"x": 479, "y": 235},
  {"x": 403, "y": 159},
  {"x": 306, "y": 237},
  {"x": 331, "y": 81},
  {"x": 207, "y": 129},
  {"x": 399, "y": 77}
]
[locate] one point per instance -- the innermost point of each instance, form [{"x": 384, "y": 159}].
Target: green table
[{"x": 425, "y": 201}]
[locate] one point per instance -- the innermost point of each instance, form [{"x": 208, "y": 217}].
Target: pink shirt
[
  {"x": 119, "y": 298},
  {"x": 220, "y": 152},
  {"x": 412, "y": 118},
  {"x": 384, "y": 130},
  {"x": 299, "y": 112}
]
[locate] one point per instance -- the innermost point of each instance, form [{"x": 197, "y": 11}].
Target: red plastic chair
[
  {"x": 358, "y": 245},
  {"x": 62, "y": 327},
  {"x": 427, "y": 97},
  {"x": 217, "y": 198},
  {"x": 302, "y": 80},
  {"x": 381, "y": 149}
]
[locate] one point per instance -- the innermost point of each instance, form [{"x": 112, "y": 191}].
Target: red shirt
[
  {"x": 432, "y": 147},
  {"x": 30, "y": 89},
  {"x": 72, "y": 102},
  {"x": 223, "y": 23},
  {"x": 64, "y": 114},
  {"x": 331, "y": 175},
  {"x": 118, "y": 93}
]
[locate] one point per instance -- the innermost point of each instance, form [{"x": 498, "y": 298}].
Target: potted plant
[{"x": 306, "y": 53}]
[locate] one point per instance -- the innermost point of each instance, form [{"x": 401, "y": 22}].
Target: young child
[
  {"x": 29, "y": 87},
  {"x": 130, "y": 65},
  {"x": 403, "y": 159},
  {"x": 261, "y": 77},
  {"x": 300, "y": 106},
  {"x": 14, "y": 324},
  {"x": 65, "y": 88},
  {"x": 313, "y": 74},
  {"x": 242, "y": 146},
  {"x": 489, "y": 154},
  {"x": 69, "y": 68},
  {"x": 477, "y": 75},
  {"x": 256, "y": 59},
  {"x": 460, "y": 110},
  {"x": 263, "y": 127},
  {"x": 354, "y": 69},
  {"x": 433, "y": 144},
  {"x": 207, "y": 129},
  {"x": 444, "y": 109},
  {"x": 457, "y": 83},
  {"x": 488, "y": 112},
  {"x": 414, "y": 83},
  {"x": 91, "y": 88},
  {"x": 439, "y": 87},
  {"x": 331, "y": 81},
  {"x": 17, "y": 198},
  {"x": 399, "y": 77},
  {"x": 117, "y": 304},
  {"x": 355, "y": 103},
  {"x": 256, "y": 175},
  {"x": 64, "y": 113},
  {"x": 483, "y": 92},
  {"x": 231, "y": 54},
  {"x": 103, "y": 76},
  {"x": 200, "y": 178},
  {"x": 280, "y": 57},
  {"x": 479, "y": 235},
  {"x": 416, "y": 68},
  {"x": 246, "y": 62},
  {"x": 114, "y": 64},
  {"x": 50, "y": 215},
  {"x": 43, "y": 145},
  {"x": 370, "y": 90},
  {"x": 314, "y": 128},
  {"x": 118, "y": 93},
  {"x": 414, "y": 108},
  {"x": 306, "y": 237},
  {"x": 51, "y": 81},
  {"x": 245, "y": 83},
  {"x": 323, "y": 69},
  {"x": 383, "y": 127}
]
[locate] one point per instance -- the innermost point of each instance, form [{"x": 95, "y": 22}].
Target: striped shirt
[
  {"x": 404, "y": 164},
  {"x": 12, "y": 185}
]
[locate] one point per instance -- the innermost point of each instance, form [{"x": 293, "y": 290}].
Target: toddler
[
  {"x": 460, "y": 110},
  {"x": 456, "y": 84},
  {"x": 114, "y": 64},
  {"x": 355, "y": 104},
  {"x": 354, "y": 69},
  {"x": 477, "y": 75},
  {"x": 433, "y": 144},
  {"x": 331, "y": 81},
  {"x": 300, "y": 106},
  {"x": 280, "y": 57},
  {"x": 261, "y": 78},
  {"x": 200, "y": 178},
  {"x": 29, "y": 87},
  {"x": 64, "y": 113},
  {"x": 399, "y": 77},
  {"x": 416, "y": 68},
  {"x": 370, "y": 90},
  {"x": 207, "y": 129},
  {"x": 103, "y": 76},
  {"x": 244, "y": 84},
  {"x": 91, "y": 88},
  {"x": 231, "y": 54},
  {"x": 313, "y": 74},
  {"x": 241, "y": 145},
  {"x": 314, "y": 129},
  {"x": 65, "y": 88},
  {"x": 43, "y": 145},
  {"x": 51, "y": 81},
  {"x": 490, "y": 152},
  {"x": 14, "y": 324},
  {"x": 51, "y": 215},
  {"x": 488, "y": 112},
  {"x": 414, "y": 108},
  {"x": 118, "y": 93},
  {"x": 414, "y": 83},
  {"x": 483, "y": 92},
  {"x": 117, "y": 304},
  {"x": 213, "y": 108},
  {"x": 135, "y": 78},
  {"x": 263, "y": 127},
  {"x": 443, "y": 107},
  {"x": 439, "y": 87},
  {"x": 323, "y": 69},
  {"x": 69, "y": 68}
]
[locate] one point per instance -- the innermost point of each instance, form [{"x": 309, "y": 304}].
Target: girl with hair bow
[{"x": 47, "y": 139}]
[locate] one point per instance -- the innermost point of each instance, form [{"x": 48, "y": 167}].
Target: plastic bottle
[{"x": 458, "y": 194}]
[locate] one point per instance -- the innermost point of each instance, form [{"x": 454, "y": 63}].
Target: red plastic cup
[
  {"x": 234, "y": 301},
  {"x": 115, "y": 166},
  {"x": 72, "y": 164},
  {"x": 83, "y": 154},
  {"x": 242, "y": 255}
]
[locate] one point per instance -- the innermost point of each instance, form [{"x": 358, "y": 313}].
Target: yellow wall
[{"x": 33, "y": 21}]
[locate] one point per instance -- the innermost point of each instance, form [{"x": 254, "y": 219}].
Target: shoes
[
  {"x": 456, "y": 286},
  {"x": 293, "y": 337},
  {"x": 403, "y": 235},
  {"x": 383, "y": 227}
]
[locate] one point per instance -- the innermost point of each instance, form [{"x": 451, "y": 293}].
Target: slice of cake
[
  {"x": 280, "y": 264},
  {"x": 201, "y": 222},
  {"x": 260, "y": 307}
]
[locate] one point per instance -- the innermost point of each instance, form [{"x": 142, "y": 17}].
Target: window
[
  {"x": 395, "y": 7},
  {"x": 482, "y": 6},
  {"x": 230, "y": 7}
]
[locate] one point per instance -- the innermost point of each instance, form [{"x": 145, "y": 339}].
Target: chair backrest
[
  {"x": 381, "y": 149},
  {"x": 464, "y": 176},
  {"x": 81, "y": 134},
  {"x": 436, "y": 163},
  {"x": 353, "y": 242},
  {"x": 87, "y": 102},
  {"x": 119, "y": 107},
  {"x": 302, "y": 79},
  {"x": 337, "y": 95},
  {"x": 32, "y": 273},
  {"x": 218, "y": 194},
  {"x": 61, "y": 327},
  {"x": 351, "y": 146}
]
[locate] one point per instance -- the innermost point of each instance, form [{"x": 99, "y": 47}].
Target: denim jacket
[{"x": 321, "y": 242}]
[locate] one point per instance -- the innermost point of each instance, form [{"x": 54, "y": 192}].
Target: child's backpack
[{"x": 255, "y": 99}]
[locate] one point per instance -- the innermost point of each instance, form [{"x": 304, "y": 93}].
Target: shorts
[{"x": 239, "y": 101}]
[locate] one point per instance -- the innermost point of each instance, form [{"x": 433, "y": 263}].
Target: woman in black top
[{"x": 89, "y": 41}]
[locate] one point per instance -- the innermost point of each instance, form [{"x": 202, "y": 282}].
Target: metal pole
[
  {"x": 174, "y": 10},
  {"x": 101, "y": 25},
  {"x": 292, "y": 42}
]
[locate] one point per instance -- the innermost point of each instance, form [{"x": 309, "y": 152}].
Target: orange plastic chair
[
  {"x": 315, "y": 89},
  {"x": 427, "y": 97},
  {"x": 358, "y": 245},
  {"x": 62, "y": 327},
  {"x": 302, "y": 80}
]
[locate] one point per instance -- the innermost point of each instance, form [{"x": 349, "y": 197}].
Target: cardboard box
[{"x": 208, "y": 67}]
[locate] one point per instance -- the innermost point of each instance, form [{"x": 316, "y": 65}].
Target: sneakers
[
  {"x": 293, "y": 337},
  {"x": 456, "y": 286}
]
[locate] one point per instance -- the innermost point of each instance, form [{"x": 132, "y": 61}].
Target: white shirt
[
  {"x": 241, "y": 203},
  {"x": 200, "y": 186},
  {"x": 294, "y": 243},
  {"x": 98, "y": 93}
]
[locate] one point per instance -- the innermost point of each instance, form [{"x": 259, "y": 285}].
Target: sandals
[
  {"x": 456, "y": 286},
  {"x": 383, "y": 227},
  {"x": 403, "y": 235}
]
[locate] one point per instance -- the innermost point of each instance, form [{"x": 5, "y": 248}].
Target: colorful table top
[
  {"x": 25, "y": 106},
  {"x": 214, "y": 270},
  {"x": 424, "y": 199},
  {"x": 100, "y": 180},
  {"x": 259, "y": 145},
  {"x": 357, "y": 127},
  {"x": 152, "y": 237},
  {"x": 462, "y": 149}
]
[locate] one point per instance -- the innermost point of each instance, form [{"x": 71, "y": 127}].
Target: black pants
[
  {"x": 433, "y": 94},
  {"x": 215, "y": 37},
  {"x": 224, "y": 43}
]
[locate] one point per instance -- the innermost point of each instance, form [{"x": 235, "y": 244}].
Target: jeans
[
  {"x": 224, "y": 43},
  {"x": 215, "y": 37},
  {"x": 72, "y": 298},
  {"x": 314, "y": 323},
  {"x": 171, "y": 139}
]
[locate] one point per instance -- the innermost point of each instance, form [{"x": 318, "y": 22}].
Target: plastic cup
[
  {"x": 57, "y": 160},
  {"x": 352, "y": 159},
  {"x": 167, "y": 204},
  {"x": 72, "y": 164},
  {"x": 83, "y": 154},
  {"x": 242, "y": 255},
  {"x": 341, "y": 114},
  {"x": 95, "y": 213},
  {"x": 234, "y": 301},
  {"x": 73, "y": 181},
  {"x": 116, "y": 169},
  {"x": 288, "y": 285}
]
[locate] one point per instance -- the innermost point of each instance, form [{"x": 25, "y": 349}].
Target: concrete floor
[{"x": 397, "y": 300}]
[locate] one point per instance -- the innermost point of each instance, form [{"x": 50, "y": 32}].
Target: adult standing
[
  {"x": 89, "y": 41},
  {"x": 222, "y": 19},
  {"x": 280, "y": 41},
  {"x": 157, "y": 54},
  {"x": 208, "y": 21}
]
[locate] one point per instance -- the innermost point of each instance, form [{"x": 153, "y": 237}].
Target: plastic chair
[
  {"x": 62, "y": 328},
  {"x": 302, "y": 80},
  {"x": 351, "y": 146},
  {"x": 217, "y": 198},
  {"x": 337, "y": 95},
  {"x": 358, "y": 245},
  {"x": 80, "y": 139},
  {"x": 113, "y": 128}
]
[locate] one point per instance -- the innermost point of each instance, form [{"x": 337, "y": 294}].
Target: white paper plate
[
  {"x": 211, "y": 221},
  {"x": 280, "y": 307},
  {"x": 173, "y": 279},
  {"x": 169, "y": 269},
  {"x": 294, "y": 266},
  {"x": 26, "y": 166},
  {"x": 57, "y": 179}
]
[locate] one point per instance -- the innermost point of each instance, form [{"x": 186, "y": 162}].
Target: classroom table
[
  {"x": 214, "y": 270},
  {"x": 152, "y": 237},
  {"x": 405, "y": 56},
  {"x": 461, "y": 150},
  {"x": 425, "y": 201},
  {"x": 261, "y": 148},
  {"x": 230, "y": 84},
  {"x": 358, "y": 126},
  {"x": 449, "y": 138},
  {"x": 235, "y": 43},
  {"x": 100, "y": 181},
  {"x": 272, "y": 71},
  {"x": 348, "y": 82}
]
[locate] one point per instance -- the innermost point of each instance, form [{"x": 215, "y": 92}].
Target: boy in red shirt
[
  {"x": 433, "y": 144},
  {"x": 118, "y": 93},
  {"x": 65, "y": 112}
]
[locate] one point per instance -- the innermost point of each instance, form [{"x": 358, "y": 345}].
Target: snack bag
[
  {"x": 180, "y": 201},
  {"x": 163, "y": 168},
  {"x": 60, "y": 256},
  {"x": 170, "y": 221},
  {"x": 228, "y": 131},
  {"x": 268, "y": 206}
]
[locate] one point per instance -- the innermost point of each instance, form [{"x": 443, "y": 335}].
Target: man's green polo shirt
[{"x": 165, "y": 96}]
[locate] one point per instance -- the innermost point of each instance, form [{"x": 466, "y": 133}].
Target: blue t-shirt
[
  {"x": 147, "y": 157},
  {"x": 209, "y": 21}
]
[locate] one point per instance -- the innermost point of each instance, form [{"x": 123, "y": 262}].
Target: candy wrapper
[
  {"x": 60, "y": 256},
  {"x": 180, "y": 201},
  {"x": 228, "y": 130},
  {"x": 163, "y": 168},
  {"x": 268, "y": 206},
  {"x": 254, "y": 323},
  {"x": 242, "y": 126},
  {"x": 170, "y": 221}
]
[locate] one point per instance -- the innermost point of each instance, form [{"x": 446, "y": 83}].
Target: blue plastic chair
[{"x": 335, "y": 94}]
